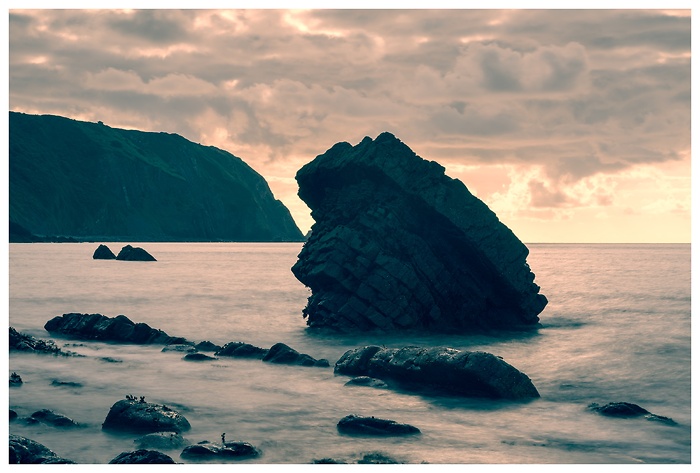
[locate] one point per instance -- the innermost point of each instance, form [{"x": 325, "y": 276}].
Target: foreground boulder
[
  {"x": 358, "y": 425},
  {"x": 283, "y": 354},
  {"x": 103, "y": 252},
  {"x": 228, "y": 450},
  {"x": 141, "y": 457},
  {"x": 473, "y": 374},
  {"x": 131, "y": 415},
  {"x": 399, "y": 245},
  {"x": 131, "y": 253},
  {"x": 108, "y": 329},
  {"x": 628, "y": 410},
  {"x": 27, "y": 451}
]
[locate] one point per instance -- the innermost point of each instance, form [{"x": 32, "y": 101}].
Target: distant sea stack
[
  {"x": 397, "y": 244},
  {"x": 91, "y": 182}
]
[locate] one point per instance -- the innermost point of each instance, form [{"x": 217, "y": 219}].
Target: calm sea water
[{"x": 617, "y": 328}]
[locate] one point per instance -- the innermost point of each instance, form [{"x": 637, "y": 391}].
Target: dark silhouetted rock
[
  {"x": 23, "y": 342},
  {"x": 628, "y": 410},
  {"x": 357, "y": 425},
  {"x": 396, "y": 244},
  {"x": 130, "y": 415},
  {"x": 49, "y": 417},
  {"x": 377, "y": 458},
  {"x": 327, "y": 461},
  {"x": 283, "y": 354},
  {"x": 66, "y": 384},
  {"x": 15, "y": 379},
  {"x": 367, "y": 381},
  {"x": 465, "y": 373},
  {"x": 13, "y": 415},
  {"x": 243, "y": 350},
  {"x": 198, "y": 357},
  {"x": 116, "y": 329},
  {"x": 161, "y": 440},
  {"x": 141, "y": 456},
  {"x": 180, "y": 347},
  {"x": 27, "y": 451},
  {"x": 103, "y": 252},
  {"x": 131, "y": 253},
  {"x": 207, "y": 346},
  {"x": 133, "y": 186},
  {"x": 229, "y": 450}
]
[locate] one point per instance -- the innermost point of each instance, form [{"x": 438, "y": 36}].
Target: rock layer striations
[{"x": 397, "y": 244}]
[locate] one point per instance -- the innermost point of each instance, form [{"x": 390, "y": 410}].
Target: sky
[{"x": 571, "y": 125}]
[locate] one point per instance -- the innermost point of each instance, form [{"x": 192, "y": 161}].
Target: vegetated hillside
[{"x": 89, "y": 181}]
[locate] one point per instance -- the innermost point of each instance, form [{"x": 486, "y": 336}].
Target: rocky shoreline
[{"x": 436, "y": 370}]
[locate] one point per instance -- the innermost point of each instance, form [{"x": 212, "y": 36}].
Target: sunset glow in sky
[{"x": 572, "y": 125}]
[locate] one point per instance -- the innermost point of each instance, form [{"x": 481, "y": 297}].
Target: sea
[{"x": 617, "y": 329}]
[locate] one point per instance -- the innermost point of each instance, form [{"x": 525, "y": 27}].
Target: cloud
[{"x": 551, "y": 101}]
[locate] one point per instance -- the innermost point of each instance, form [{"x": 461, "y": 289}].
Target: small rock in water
[
  {"x": 228, "y": 450},
  {"x": 131, "y": 253},
  {"x": 49, "y": 417},
  {"x": 353, "y": 424},
  {"x": 181, "y": 347},
  {"x": 628, "y": 410},
  {"x": 103, "y": 252},
  {"x": 131, "y": 415},
  {"x": 367, "y": 381},
  {"x": 198, "y": 357},
  {"x": 141, "y": 457},
  {"x": 243, "y": 350},
  {"x": 15, "y": 379},
  {"x": 378, "y": 458},
  {"x": 283, "y": 354},
  {"x": 161, "y": 440},
  {"x": 207, "y": 346}
]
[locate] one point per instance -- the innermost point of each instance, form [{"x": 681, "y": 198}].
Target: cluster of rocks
[
  {"x": 23, "y": 342},
  {"x": 397, "y": 244},
  {"x": 109, "y": 329},
  {"x": 127, "y": 253}
]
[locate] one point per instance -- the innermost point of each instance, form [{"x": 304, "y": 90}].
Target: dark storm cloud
[{"x": 157, "y": 26}]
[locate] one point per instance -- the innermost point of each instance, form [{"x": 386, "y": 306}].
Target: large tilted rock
[
  {"x": 398, "y": 244},
  {"x": 109, "y": 329},
  {"x": 467, "y": 373}
]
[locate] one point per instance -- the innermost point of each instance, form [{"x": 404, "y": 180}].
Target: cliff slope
[{"x": 69, "y": 178}]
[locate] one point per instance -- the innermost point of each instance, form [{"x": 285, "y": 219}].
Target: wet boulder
[
  {"x": 198, "y": 357},
  {"x": 206, "y": 345},
  {"x": 131, "y": 415},
  {"x": 460, "y": 372},
  {"x": 15, "y": 379},
  {"x": 109, "y": 329},
  {"x": 103, "y": 252},
  {"x": 131, "y": 253},
  {"x": 358, "y": 425},
  {"x": 23, "y": 342},
  {"x": 626, "y": 410},
  {"x": 283, "y": 354},
  {"x": 141, "y": 457},
  {"x": 28, "y": 451},
  {"x": 367, "y": 381},
  {"x": 397, "y": 244},
  {"x": 49, "y": 417},
  {"x": 242, "y": 350},
  {"x": 161, "y": 440},
  {"x": 229, "y": 450}
]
